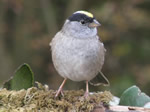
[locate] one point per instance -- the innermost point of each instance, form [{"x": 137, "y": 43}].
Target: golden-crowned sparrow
[{"x": 77, "y": 52}]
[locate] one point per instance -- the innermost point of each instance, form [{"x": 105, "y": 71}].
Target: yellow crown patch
[{"x": 86, "y": 13}]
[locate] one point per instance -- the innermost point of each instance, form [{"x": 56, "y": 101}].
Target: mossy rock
[{"x": 42, "y": 99}]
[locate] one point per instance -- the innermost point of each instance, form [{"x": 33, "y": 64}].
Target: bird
[{"x": 77, "y": 51}]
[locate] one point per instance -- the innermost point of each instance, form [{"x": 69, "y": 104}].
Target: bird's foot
[
  {"x": 86, "y": 95},
  {"x": 59, "y": 92}
]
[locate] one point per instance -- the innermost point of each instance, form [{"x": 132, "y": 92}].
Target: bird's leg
[
  {"x": 60, "y": 88},
  {"x": 62, "y": 93},
  {"x": 86, "y": 94}
]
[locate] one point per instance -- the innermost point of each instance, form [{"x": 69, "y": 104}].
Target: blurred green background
[{"x": 27, "y": 27}]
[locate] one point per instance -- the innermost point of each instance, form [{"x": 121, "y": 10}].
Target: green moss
[{"x": 42, "y": 99}]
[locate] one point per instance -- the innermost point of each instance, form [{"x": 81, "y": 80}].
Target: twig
[{"x": 121, "y": 109}]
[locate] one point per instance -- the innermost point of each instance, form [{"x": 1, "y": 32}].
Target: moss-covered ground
[{"x": 42, "y": 99}]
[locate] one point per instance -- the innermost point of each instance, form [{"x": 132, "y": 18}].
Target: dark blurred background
[{"x": 27, "y": 27}]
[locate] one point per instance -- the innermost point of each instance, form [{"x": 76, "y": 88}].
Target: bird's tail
[{"x": 100, "y": 83}]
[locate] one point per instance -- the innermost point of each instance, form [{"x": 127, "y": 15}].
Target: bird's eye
[{"x": 82, "y": 22}]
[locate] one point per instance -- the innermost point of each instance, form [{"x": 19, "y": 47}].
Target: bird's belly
[
  {"x": 77, "y": 67},
  {"x": 84, "y": 68},
  {"x": 78, "y": 63}
]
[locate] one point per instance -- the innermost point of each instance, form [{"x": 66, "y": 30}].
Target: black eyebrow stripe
[{"x": 79, "y": 17}]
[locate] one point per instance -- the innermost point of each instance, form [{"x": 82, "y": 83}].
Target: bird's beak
[{"x": 94, "y": 24}]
